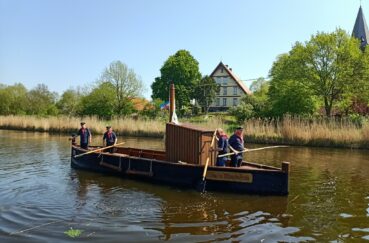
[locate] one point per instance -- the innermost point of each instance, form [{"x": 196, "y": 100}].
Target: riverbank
[
  {"x": 317, "y": 132},
  {"x": 289, "y": 131},
  {"x": 68, "y": 125}
]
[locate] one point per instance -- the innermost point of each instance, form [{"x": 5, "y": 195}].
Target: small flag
[{"x": 164, "y": 106}]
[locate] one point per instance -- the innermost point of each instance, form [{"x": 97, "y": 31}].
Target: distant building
[
  {"x": 360, "y": 30},
  {"x": 232, "y": 89}
]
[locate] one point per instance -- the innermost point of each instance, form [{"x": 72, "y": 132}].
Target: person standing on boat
[
  {"x": 84, "y": 135},
  {"x": 236, "y": 143},
  {"x": 109, "y": 138},
  {"x": 222, "y": 147}
]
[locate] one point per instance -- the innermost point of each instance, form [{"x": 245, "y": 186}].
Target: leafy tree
[
  {"x": 259, "y": 84},
  {"x": 70, "y": 102},
  {"x": 288, "y": 95},
  {"x": 242, "y": 112},
  {"x": 255, "y": 105},
  {"x": 13, "y": 99},
  {"x": 205, "y": 91},
  {"x": 127, "y": 85},
  {"x": 41, "y": 101},
  {"x": 183, "y": 70},
  {"x": 323, "y": 67},
  {"x": 99, "y": 101}
]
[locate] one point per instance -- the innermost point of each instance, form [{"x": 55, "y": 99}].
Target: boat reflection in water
[{"x": 140, "y": 210}]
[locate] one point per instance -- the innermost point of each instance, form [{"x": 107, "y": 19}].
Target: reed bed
[
  {"x": 289, "y": 130},
  {"x": 316, "y": 132},
  {"x": 68, "y": 125}
]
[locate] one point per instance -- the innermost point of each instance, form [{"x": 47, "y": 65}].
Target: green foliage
[
  {"x": 41, "y": 101},
  {"x": 255, "y": 105},
  {"x": 127, "y": 85},
  {"x": 152, "y": 110},
  {"x": 70, "y": 103},
  {"x": 13, "y": 99},
  {"x": 288, "y": 95},
  {"x": 100, "y": 101},
  {"x": 183, "y": 70},
  {"x": 242, "y": 112},
  {"x": 205, "y": 91},
  {"x": 323, "y": 68},
  {"x": 73, "y": 232}
]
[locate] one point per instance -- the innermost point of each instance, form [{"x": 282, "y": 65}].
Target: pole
[{"x": 172, "y": 99}]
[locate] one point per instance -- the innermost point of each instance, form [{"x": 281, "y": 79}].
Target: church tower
[{"x": 360, "y": 30}]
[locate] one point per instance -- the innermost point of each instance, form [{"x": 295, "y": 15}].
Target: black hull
[{"x": 250, "y": 179}]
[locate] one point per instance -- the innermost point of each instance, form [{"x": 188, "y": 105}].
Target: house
[{"x": 232, "y": 89}]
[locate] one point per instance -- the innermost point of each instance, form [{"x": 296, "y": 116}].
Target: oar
[
  {"x": 99, "y": 149},
  {"x": 250, "y": 150},
  {"x": 202, "y": 184}
]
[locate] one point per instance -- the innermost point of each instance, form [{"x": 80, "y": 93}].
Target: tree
[
  {"x": 13, "y": 99},
  {"x": 325, "y": 65},
  {"x": 127, "y": 85},
  {"x": 41, "y": 101},
  {"x": 205, "y": 91},
  {"x": 99, "y": 101},
  {"x": 70, "y": 102},
  {"x": 183, "y": 70},
  {"x": 287, "y": 95},
  {"x": 259, "y": 84}
]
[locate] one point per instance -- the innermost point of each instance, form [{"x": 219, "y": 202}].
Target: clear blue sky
[{"x": 68, "y": 43}]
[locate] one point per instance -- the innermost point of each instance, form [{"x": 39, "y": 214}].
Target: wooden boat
[{"x": 186, "y": 161}]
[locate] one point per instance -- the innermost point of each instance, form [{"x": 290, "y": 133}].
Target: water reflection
[
  {"x": 42, "y": 197},
  {"x": 184, "y": 214}
]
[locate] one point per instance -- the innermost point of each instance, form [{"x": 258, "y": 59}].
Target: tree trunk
[{"x": 327, "y": 107}]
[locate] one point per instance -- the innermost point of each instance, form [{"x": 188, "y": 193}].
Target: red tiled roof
[{"x": 235, "y": 78}]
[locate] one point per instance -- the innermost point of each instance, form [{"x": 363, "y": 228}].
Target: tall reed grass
[
  {"x": 289, "y": 130},
  {"x": 311, "y": 132},
  {"x": 64, "y": 124}
]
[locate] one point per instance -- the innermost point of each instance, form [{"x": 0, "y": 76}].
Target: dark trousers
[
  {"x": 110, "y": 150},
  {"x": 221, "y": 161},
  {"x": 84, "y": 145},
  {"x": 236, "y": 161}
]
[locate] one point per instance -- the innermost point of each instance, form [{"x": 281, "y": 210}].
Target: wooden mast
[{"x": 171, "y": 101}]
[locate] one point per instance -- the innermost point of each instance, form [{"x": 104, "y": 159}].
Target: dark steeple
[{"x": 360, "y": 30}]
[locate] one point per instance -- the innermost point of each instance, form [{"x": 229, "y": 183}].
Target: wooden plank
[{"x": 229, "y": 176}]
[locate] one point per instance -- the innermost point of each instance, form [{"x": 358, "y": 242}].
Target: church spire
[{"x": 360, "y": 30}]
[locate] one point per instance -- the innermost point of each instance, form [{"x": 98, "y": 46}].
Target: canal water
[{"x": 42, "y": 198}]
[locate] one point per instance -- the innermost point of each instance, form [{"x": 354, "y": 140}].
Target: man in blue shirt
[
  {"x": 236, "y": 142},
  {"x": 109, "y": 138},
  {"x": 84, "y": 135}
]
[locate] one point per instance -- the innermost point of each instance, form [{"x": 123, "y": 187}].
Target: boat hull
[{"x": 250, "y": 178}]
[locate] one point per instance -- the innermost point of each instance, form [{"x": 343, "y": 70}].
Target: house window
[
  {"x": 224, "y": 101},
  {"x": 235, "y": 102},
  {"x": 218, "y": 80},
  {"x": 234, "y": 90},
  {"x": 224, "y": 90},
  {"x": 218, "y": 101},
  {"x": 225, "y": 81},
  {"x": 222, "y": 70}
]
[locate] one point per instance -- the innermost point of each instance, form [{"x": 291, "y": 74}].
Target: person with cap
[
  {"x": 84, "y": 135},
  {"x": 236, "y": 143},
  {"x": 222, "y": 147},
  {"x": 109, "y": 138}
]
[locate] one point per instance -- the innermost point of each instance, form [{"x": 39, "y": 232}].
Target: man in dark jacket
[
  {"x": 109, "y": 138},
  {"x": 236, "y": 142},
  {"x": 84, "y": 135}
]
